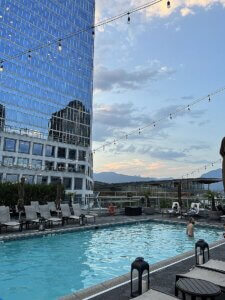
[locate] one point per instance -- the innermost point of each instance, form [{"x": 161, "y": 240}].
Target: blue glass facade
[{"x": 49, "y": 91}]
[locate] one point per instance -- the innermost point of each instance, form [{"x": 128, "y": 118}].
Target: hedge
[{"x": 33, "y": 192}]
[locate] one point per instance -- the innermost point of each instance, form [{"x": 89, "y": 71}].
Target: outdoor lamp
[
  {"x": 201, "y": 248},
  {"x": 139, "y": 277},
  {"x": 81, "y": 219}
]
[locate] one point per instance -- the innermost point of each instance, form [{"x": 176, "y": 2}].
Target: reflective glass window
[
  {"x": 72, "y": 154},
  {"x": 71, "y": 168},
  {"x": 60, "y": 167},
  {"x": 42, "y": 179},
  {"x": 8, "y": 160},
  {"x": 10, "y": 145},
  {"x": 21, "y": 161},
  {"x": 29, "y": 179},
  {"x": 12, "y": 177},
  {"x": 37, "y": 149},
  {"x": 50, "y": 151},
  {"x": 82, "y": 155},
  {"x": 81, "y": 169},
  {"x": 78, "y": 184},
  {"x": 36, "y": 163},
  {"x": 67, "y": 183},
  {"x": 49, "y": 165},
  {"x": 24, "y": 147},
  {"x": 61, "y": 152},
  {"x": 55, "y": 179}
]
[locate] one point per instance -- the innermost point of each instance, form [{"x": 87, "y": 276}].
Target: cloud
[
  {"x": 121, "y": 79},
  {"x": 186, "y": 11}
]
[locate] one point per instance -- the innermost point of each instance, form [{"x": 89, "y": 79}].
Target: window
[
  {"x": 29, "y": 179},
  {"x": 37, "y": 149},
  {"x": 78, "y": 183},
  {"x": 61, "y": 152},
  {"x": 55, "y": 179},
  {"x": 12, "y": 177},
  {"x": 71, "y": 168},
  {"x": 9, "y": 145},
  {"x": 50, "y": 151},
  {"x": 67, "y": 183},
  {"x": 21, "y": 161},
  {"x": 81, "y": 169},
  {"x": 72, "y": 154},
  {"x": 42, "y": 179},
  {"x": 8, "y": 160},
  {"x": 37, "y": 164},
  {"x": 49, "y": 165},
  {"x": 60, "y": 167},
  {"x": 82, "y": 155},
  {"x": 24, "y": 147}
]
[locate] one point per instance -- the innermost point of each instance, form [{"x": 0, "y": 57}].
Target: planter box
[
  {"x": 215, "y": 215},
  {"x": 149, "y": 210}
]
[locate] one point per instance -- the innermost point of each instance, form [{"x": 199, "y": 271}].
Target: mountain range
[{"x": 112, "y": 177}]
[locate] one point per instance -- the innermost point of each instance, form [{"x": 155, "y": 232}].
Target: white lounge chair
[
  {"x": 36, "y": 205},
  {"x": 155, "y": 295},
  {"x": 77, "y": 212},
  {"x": 214, "y": 265},
  {"x": 45, "y": 213},
  {"x": 66, "y": 213},
  {"x": 31, "y": 215},
  {"x": 5, "y": 220},
  {"x": 52, "y": 206},
  {"x": 204, "y": 274},
  {"x": 175, "y": 209},
  {"x": 194, "y": 210}
]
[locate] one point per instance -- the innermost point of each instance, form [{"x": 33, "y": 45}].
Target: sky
[{"x": 162, "y": 61}]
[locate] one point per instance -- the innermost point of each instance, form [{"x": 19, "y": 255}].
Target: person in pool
[{"x": 190, "y": 227}]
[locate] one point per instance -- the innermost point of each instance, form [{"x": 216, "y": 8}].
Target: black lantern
[
  {"x": 82, "y": 220},
  {"x": 139, "y": 277},
  {"x": 201, "y": 248}
]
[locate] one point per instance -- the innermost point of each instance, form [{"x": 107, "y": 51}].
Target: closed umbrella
[{"x": 222, "y": 153}]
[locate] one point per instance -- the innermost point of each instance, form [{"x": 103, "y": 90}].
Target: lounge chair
[
  {"x": 193, "y": 211},
  {"x": 66, "y": 213},
  {"x": 175, "y": 209},
  {"x": 214, "y": 265},
  {"x": 155, "y": 295},
  {"x": 77, "y": 212},
  {"x": 31, "y": 215},
  {"x": 5, "y": 220},
  {"x": 52, "y": 206},
  {"x": 45, "y": 214},
  {"x": 204, "y": 274},
  {"x": 36, "y": 205}
]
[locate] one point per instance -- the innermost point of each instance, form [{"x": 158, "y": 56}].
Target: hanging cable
[{"x": 70, "y": 35}]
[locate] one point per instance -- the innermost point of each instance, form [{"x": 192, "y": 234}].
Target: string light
[
  {"x": 70, "y": 35},
  {"x": 139, "y": 131},
  {"x": 60, "y": 46},
  {"x": 168, "y": 4},
  {"x": 189, "y": 108},
  {"x": 209, "y": 98},
  {"x": 128, "y": 18},
  {"x": 171, "y": 117},
  {"x": 29, "y": 55},
  {"x": 175, "y": 113},
  {"x": 1, "y": 67}
]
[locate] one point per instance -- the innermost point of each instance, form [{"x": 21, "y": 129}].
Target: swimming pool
[{"x": 55, "y": 265}]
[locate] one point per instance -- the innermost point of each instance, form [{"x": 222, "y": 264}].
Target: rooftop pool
[{"x": 48, "y": 267}]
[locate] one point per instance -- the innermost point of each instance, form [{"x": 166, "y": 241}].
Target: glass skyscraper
[{"x": 46, "y": 94}]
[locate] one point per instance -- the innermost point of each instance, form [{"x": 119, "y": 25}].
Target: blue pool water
[{"x": 49, "y": 267}]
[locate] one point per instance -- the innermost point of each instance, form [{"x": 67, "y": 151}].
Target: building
[{"x": 46, "y": 95}]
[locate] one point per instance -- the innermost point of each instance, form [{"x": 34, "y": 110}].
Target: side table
[{"x": 197, "y": 288}]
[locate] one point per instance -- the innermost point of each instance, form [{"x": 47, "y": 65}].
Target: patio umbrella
[{"x": 222, "y": 153}]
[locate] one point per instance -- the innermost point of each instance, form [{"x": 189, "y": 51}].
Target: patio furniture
[
  {"x": 193, "y": 211},
  {"x": 66, "y": 213},
  {"x": 133, "y": 210},
  {"x": 175, "y": 209},
  {"x": 31, "y": 215},
  {"x": 214, "y": 265},
  {"x": 5, "y": 220},
  {"x": 197, "y": 289},
  {"x": 45, "y": 213},
  {"x": 36, "y": 205},
  {"x": 77, "y": 212},
  {"x": 52, "y": 206},
  {"x": 208, "y": 275},
  {"x": 155, "y": 295}
]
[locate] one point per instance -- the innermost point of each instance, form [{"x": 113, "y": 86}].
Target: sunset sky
[{"x": 163, "y": 60}]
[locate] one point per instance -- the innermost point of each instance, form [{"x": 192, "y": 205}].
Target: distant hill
[
  {"x": 112, "y": 177},
  {"x": 214, "y": 174}
]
